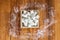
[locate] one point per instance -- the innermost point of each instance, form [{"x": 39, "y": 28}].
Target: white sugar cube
[{"x": 30, "y": 19}]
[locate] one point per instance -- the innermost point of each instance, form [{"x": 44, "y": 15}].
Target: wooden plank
[
  {"x": 4, "y": 11},
  {"x": 57, "y": 25}
]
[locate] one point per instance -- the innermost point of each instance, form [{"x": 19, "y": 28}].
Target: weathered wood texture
[{"x": 5, "y": 8}]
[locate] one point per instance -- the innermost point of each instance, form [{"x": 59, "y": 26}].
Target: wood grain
[{"x": 5, "y": 8}]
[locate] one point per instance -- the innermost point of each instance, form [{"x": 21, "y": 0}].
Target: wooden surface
[{"x": 5, "y": 8}]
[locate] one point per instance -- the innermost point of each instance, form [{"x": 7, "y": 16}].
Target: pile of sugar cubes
[{"x": 29, "y": 18}]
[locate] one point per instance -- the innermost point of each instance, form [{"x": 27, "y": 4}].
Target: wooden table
[{"x": 5, "y": 8}]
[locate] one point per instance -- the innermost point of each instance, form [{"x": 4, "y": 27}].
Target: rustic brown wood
[
  {"x": 4, "y": 12},
  {"x": 5, "y": 8}
]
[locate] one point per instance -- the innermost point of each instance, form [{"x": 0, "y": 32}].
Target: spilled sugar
[{"x": 39, "y": 33}]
